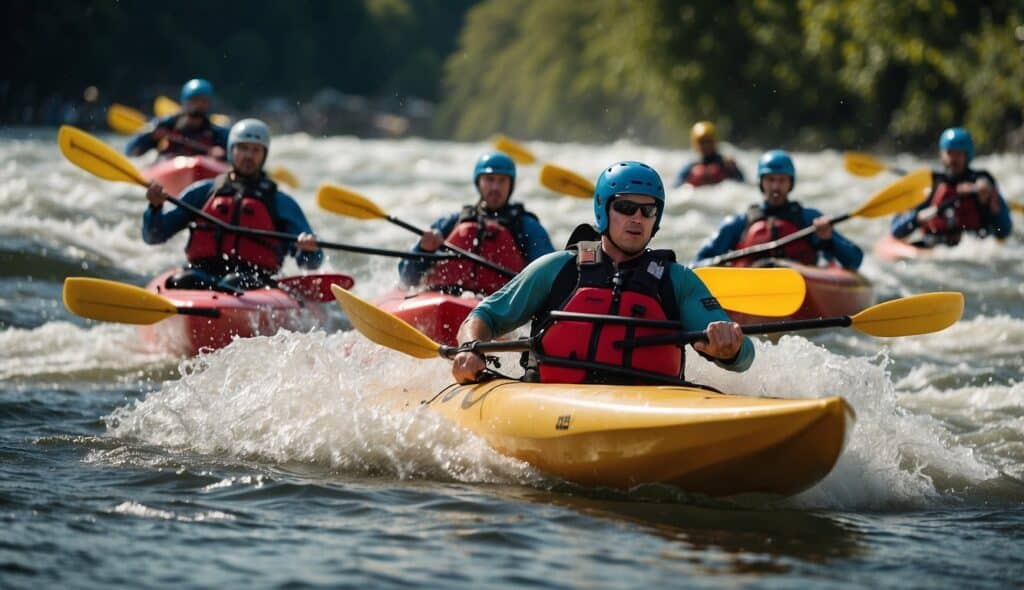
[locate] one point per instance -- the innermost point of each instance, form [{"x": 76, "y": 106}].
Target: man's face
[
  {"x": 776, "y": 188},
  {"x": 955, "y": 161},
  {"x": 707, "y": 146},
  {"x": 631, "y": 231},
  {"x": 247, "y": 158},
  {"x": 494, "y": 190}
]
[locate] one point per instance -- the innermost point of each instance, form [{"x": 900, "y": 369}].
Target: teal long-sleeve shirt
[{"x": 522, "y": 298}]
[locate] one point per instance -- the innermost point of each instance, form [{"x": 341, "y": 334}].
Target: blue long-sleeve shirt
[
  {"x": 158, "y": 225},
  {"x": 999, "y": 225},
  {"x": 524, "y": 296},
  {"x": 728, "y": 236},
  {"x": 732, "y": 172},
  {"x": 148, "y": 139},
  {"x": 533, "y": 236}
]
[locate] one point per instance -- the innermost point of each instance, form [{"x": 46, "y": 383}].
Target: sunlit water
[{"x": 274, "y": 462}]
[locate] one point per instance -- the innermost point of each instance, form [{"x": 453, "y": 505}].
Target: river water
[{"x": 271, "y": 463}]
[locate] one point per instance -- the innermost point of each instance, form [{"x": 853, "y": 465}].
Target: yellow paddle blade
[
  {"x": 285, "y": 176},
  {"x": 514, "y": 149},
  {"x": 769, "y": 292},
  {"x": 860, "y": 164},
  {"x": 1019, "y": 207},
  {"x": 918, "y": 314},
  {"x": 219, "y": 119},
  {"x": 109, "y": 301},
  {"x": 125, "y": 120},
  {"x": 343, "y": 201},
  {"x": 899, "y": 196},
  {"x": 383, "y": 328},
  {"x": 165, "y": 107},
  {"x": 566, "y": 182},
  {"x": 94, "y": 156}
]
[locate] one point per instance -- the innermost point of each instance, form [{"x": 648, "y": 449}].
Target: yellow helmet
[{"x": 702, "y": 130}]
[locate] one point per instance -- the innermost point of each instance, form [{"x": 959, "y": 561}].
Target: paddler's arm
[
  {"x": 724, "y": 240},
  {"x": 698, "y": 309},
  {"x": 905, "y": 223},
  {"x": 999, "y": 221},
  {"x": 505, "y": 310},
  {"x": 683, "y": 175},
  {"x": 836, "y": 247},
  {"x": 293, "y": 221},
  {"x": 410, "y": 270},
  {"x": 159, "y": 224},
  {"x": 146, "y": 140}
]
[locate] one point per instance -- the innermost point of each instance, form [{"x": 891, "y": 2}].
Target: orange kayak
[
  {"x": 180, "y": 171},
  {"x": 831, "y": 291}
]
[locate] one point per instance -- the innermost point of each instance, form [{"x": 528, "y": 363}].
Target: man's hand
[
  {"x": 217, "y": 152},
  {"x": 724, "y": 340},
  {"x": 823, "y": 227},
  {"x": 431, "y": 240},
  {"x": 156, "y": 195},
  {"x": 306, "y": 242},
  {"x": 467, "y": 367}
]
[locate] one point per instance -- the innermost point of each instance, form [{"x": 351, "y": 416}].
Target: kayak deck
[
  {"x": 436, "y": 314},
  {"x": 623, "y": 436},
  {"x": 257, "y": 312}
]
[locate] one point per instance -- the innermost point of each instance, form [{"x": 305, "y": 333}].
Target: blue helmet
[
  {"x": 957, "y": 138},
  {"x": 495, "y": 163},
  {"x": 622, "y": 178},
  {"x": 776, "y": 162},
  {"x": 196, "y": 87}
]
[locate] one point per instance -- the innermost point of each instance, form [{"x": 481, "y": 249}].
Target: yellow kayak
[{"x": 623, "y": 436}]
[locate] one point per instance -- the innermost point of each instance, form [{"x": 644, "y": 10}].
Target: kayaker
[
  {"x": 512, "y": 237},
  {"x": 616, "y": 274},
  {"x": 187, "y": 133},
  {"x": 246, "y": 197},
  {"x": 711, "y": 167},
  {"x": 961, "y": 199},
  {"x": 777, "y": 216}
]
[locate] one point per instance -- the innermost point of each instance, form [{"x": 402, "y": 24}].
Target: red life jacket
[
  {"x": 762, "y": 229},
  {"x": 492, "y": 236},
  {"x": 640, "y": 288},
  {"x": 707, "y": 173},
  {"x": 243, "y": 205},
  {"x": 956, "y": 212},
  {"x": 179, "y": 140}
]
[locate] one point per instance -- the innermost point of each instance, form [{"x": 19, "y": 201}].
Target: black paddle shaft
[
  {"x": 291, "y": 238},
  {"x": 766, "y": 328},
  {"x": 759, "y": 248},
  {"x": 461, "y": 252}
]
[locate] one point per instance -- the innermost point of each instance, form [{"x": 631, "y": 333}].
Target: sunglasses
[{"x": 629, "y": 208}]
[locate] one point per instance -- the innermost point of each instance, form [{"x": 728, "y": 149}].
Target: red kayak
[
  {"x": 893, "y": 249},
  {"x": 831, "y": 291},
  {"x": 436, "y": 314},
  {"x": 257, "y": 312},
  {"x": 180, "y": 171}
]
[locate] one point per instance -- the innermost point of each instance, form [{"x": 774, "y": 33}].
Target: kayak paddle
[
  {"x": 125, "y": 120},
  {"x": 908, "y": 316},
  {"x": 92, "y": 155},
  {"x": 918, "y": 314},
  {"x": 566, "y": 182},
  {"x": 343, "y": 201},
  {"x": 517, "y": 151},
  {"x": 165, "y": 107},
  {"x": 898, "y": 196},
  {"x": 866, "y": 165},
  {"x": 110, "y": 301}
]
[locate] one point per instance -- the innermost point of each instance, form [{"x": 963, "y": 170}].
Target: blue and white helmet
[{"x": 249, "y": 131}]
